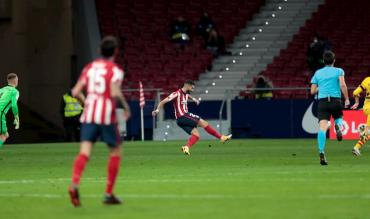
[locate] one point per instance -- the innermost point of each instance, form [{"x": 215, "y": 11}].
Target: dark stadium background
[{"x": 48, "y": 42}]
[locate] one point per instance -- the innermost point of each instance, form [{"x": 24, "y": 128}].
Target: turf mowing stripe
[
  {"x": 133, "y": 196},
  {"x": 179, "y": 196},
  {"x": 103, "y": 180},
  {"x": 48, "y": 180}
]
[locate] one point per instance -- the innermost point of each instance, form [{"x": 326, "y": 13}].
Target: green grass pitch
[{"x": 241, "y": 179}]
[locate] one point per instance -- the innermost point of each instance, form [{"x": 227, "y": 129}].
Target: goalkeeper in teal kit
[{"x": 8, "y": 99}]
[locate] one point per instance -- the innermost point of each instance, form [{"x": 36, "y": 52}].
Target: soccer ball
[{"x": 361, "y": 129}]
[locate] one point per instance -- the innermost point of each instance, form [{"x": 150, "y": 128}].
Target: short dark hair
[
  {"x": 11, "y": 76},
  {"x": 108, "y": 46},
  {"x": 329, "y": 57},
  {"x": 189, "y": 82}
]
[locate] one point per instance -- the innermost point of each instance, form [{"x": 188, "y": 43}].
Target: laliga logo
[
  {"x": 345, "y": 127},
  {"x": 354, "y": 127}
]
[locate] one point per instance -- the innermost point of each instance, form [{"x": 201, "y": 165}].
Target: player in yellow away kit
[{"x": 363, "y": 130}]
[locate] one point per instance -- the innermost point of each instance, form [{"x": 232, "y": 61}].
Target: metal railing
[
  {"x": 145, "y": 89},
  {"x": 226, "y": 99}
]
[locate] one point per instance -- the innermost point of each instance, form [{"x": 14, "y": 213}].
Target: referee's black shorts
[{"x": 329, "y": 107}]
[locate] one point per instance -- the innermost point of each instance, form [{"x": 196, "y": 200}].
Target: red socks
[
  {"x": 78, "y": 168},
  {"x": 192, "y": 140},
  {"x": 212, "y": 131},
  {"x": 113, "y": 168}
]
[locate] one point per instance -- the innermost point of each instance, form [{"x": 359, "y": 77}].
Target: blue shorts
[
  {"x": 107, "y": 133},
  {"x": 188, "y": 122}
]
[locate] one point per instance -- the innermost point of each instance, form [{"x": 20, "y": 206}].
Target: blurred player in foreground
[
  {"x": 188, "y": 121},
  {"x": 102, "y": 80},
  {"x": 364, "y": 129},
  {"x": 8, "y": 99},
  {"x": 328, "y": 82}
]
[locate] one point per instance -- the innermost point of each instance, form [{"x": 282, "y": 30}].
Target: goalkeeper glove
[{"x": 16, "y": 122}]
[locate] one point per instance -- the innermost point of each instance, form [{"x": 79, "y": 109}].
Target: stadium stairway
[
  {"x": 256, "y": 46},
  {"x": 149, "y": 55},
  {"x": 345, "y": 25}
]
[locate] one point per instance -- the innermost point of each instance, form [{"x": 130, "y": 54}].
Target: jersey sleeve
[
  {"x": 117, "y": 75},
  {"x": 314, "y": 80},
  {"x": 14, "y": 100},
  {"x": 357, "y": 91},
  {"x": 172, "y": 96},
  {"x": 365, "y": 84},
  {"x": 341, "y": 72}
]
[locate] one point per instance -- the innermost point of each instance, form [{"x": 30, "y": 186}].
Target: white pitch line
[
  {"x": 192, "y": 180},
  {"x": 130, "y": 196},
  {"x": 47, "y": 180},
  {"x": 227, "y": 175},
  {"x": 283, "y": 172},
  {"x": 19, "y": 195},
  {"x": 103, "y": 180},
  {"x": 187, "y": 196}
]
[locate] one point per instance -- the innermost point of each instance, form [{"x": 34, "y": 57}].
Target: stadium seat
[
  {"x": 148, "y": 53},
  {"x": 345, "y": 24}
]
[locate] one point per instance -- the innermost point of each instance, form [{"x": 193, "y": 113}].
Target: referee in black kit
[{"x": 328, "y": 82}]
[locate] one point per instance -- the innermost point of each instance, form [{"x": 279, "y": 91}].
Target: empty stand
[
  {"x": 256, "y": 45},
  {"x": 144, "y": 26},
  {"x": 345, "y": 24}
]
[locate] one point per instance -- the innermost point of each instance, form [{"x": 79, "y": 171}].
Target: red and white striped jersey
[
  {"x": 180, "y": 102},
  {"x": 97, "y": 77}
]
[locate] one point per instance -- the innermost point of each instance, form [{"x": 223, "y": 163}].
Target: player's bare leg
[
  {"x": 321, "y": 140},
  {"x": 364, "y": 137},
  {"x": 3, "y": 138},
  {"x": 114, "y": 164},
  {"x": 208, "y": 128},
  {"x": 78, "y": 168},
  {"x": 192, "y": 140}
]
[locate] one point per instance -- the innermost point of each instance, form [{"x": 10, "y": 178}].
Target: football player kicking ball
[
  {"x": 363, "y": 130},
  {"x": 188, "y": 121},
  {"x": 102, "y": 80},
  {"x": 8, "y": 99}
]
